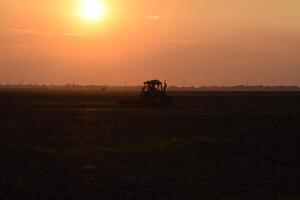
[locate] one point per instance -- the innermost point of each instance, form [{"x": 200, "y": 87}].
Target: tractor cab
[
  {"x": 153, "y": 88},
  {"x": 154, "y": 93}
]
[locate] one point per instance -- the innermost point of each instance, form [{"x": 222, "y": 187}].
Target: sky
[{"x": 199, "y": 42}]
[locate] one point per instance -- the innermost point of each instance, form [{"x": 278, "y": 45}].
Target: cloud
[
  {"x": 22, "y": 31},
  {"x": 184, "y": 42},
  {"x": 154, "y": 17},
  {"x": 17, "y": 46}
]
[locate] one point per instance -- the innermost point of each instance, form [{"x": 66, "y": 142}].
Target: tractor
[{"x": 154, "y": 93}]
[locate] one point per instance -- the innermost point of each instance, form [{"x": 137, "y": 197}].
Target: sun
[{"x": 93, "y": 10}]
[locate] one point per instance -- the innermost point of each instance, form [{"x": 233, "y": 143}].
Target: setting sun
[{"x": 93, "y": 10}]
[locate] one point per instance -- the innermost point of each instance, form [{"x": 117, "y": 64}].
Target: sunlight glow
[{"x": 93, "y": 10}]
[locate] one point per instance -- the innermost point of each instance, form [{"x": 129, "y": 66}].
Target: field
[{"x": 209, "y": 145}]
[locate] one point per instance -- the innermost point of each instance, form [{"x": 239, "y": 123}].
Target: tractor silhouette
[{"x": 154, "y": 93}]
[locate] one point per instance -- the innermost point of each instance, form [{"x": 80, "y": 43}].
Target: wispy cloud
[
  {"x": 22, "y": 31},
  {"x": 16, "y": 46},
  {"x": 190, "y": 43},
  {"x": 154, "y": 17},
  {"x": 184, "y": 42}
]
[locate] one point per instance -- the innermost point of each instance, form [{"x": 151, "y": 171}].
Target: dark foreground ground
[{"x": 83, "y": 145}]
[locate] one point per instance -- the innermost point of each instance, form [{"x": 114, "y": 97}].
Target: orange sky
[{"x": 202, "y": 42}]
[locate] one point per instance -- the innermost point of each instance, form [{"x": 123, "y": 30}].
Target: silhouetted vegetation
[{"x": 137, "y": 88}]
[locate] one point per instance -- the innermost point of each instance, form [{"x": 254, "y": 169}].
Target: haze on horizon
[{"x": 202, "y": 42}]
